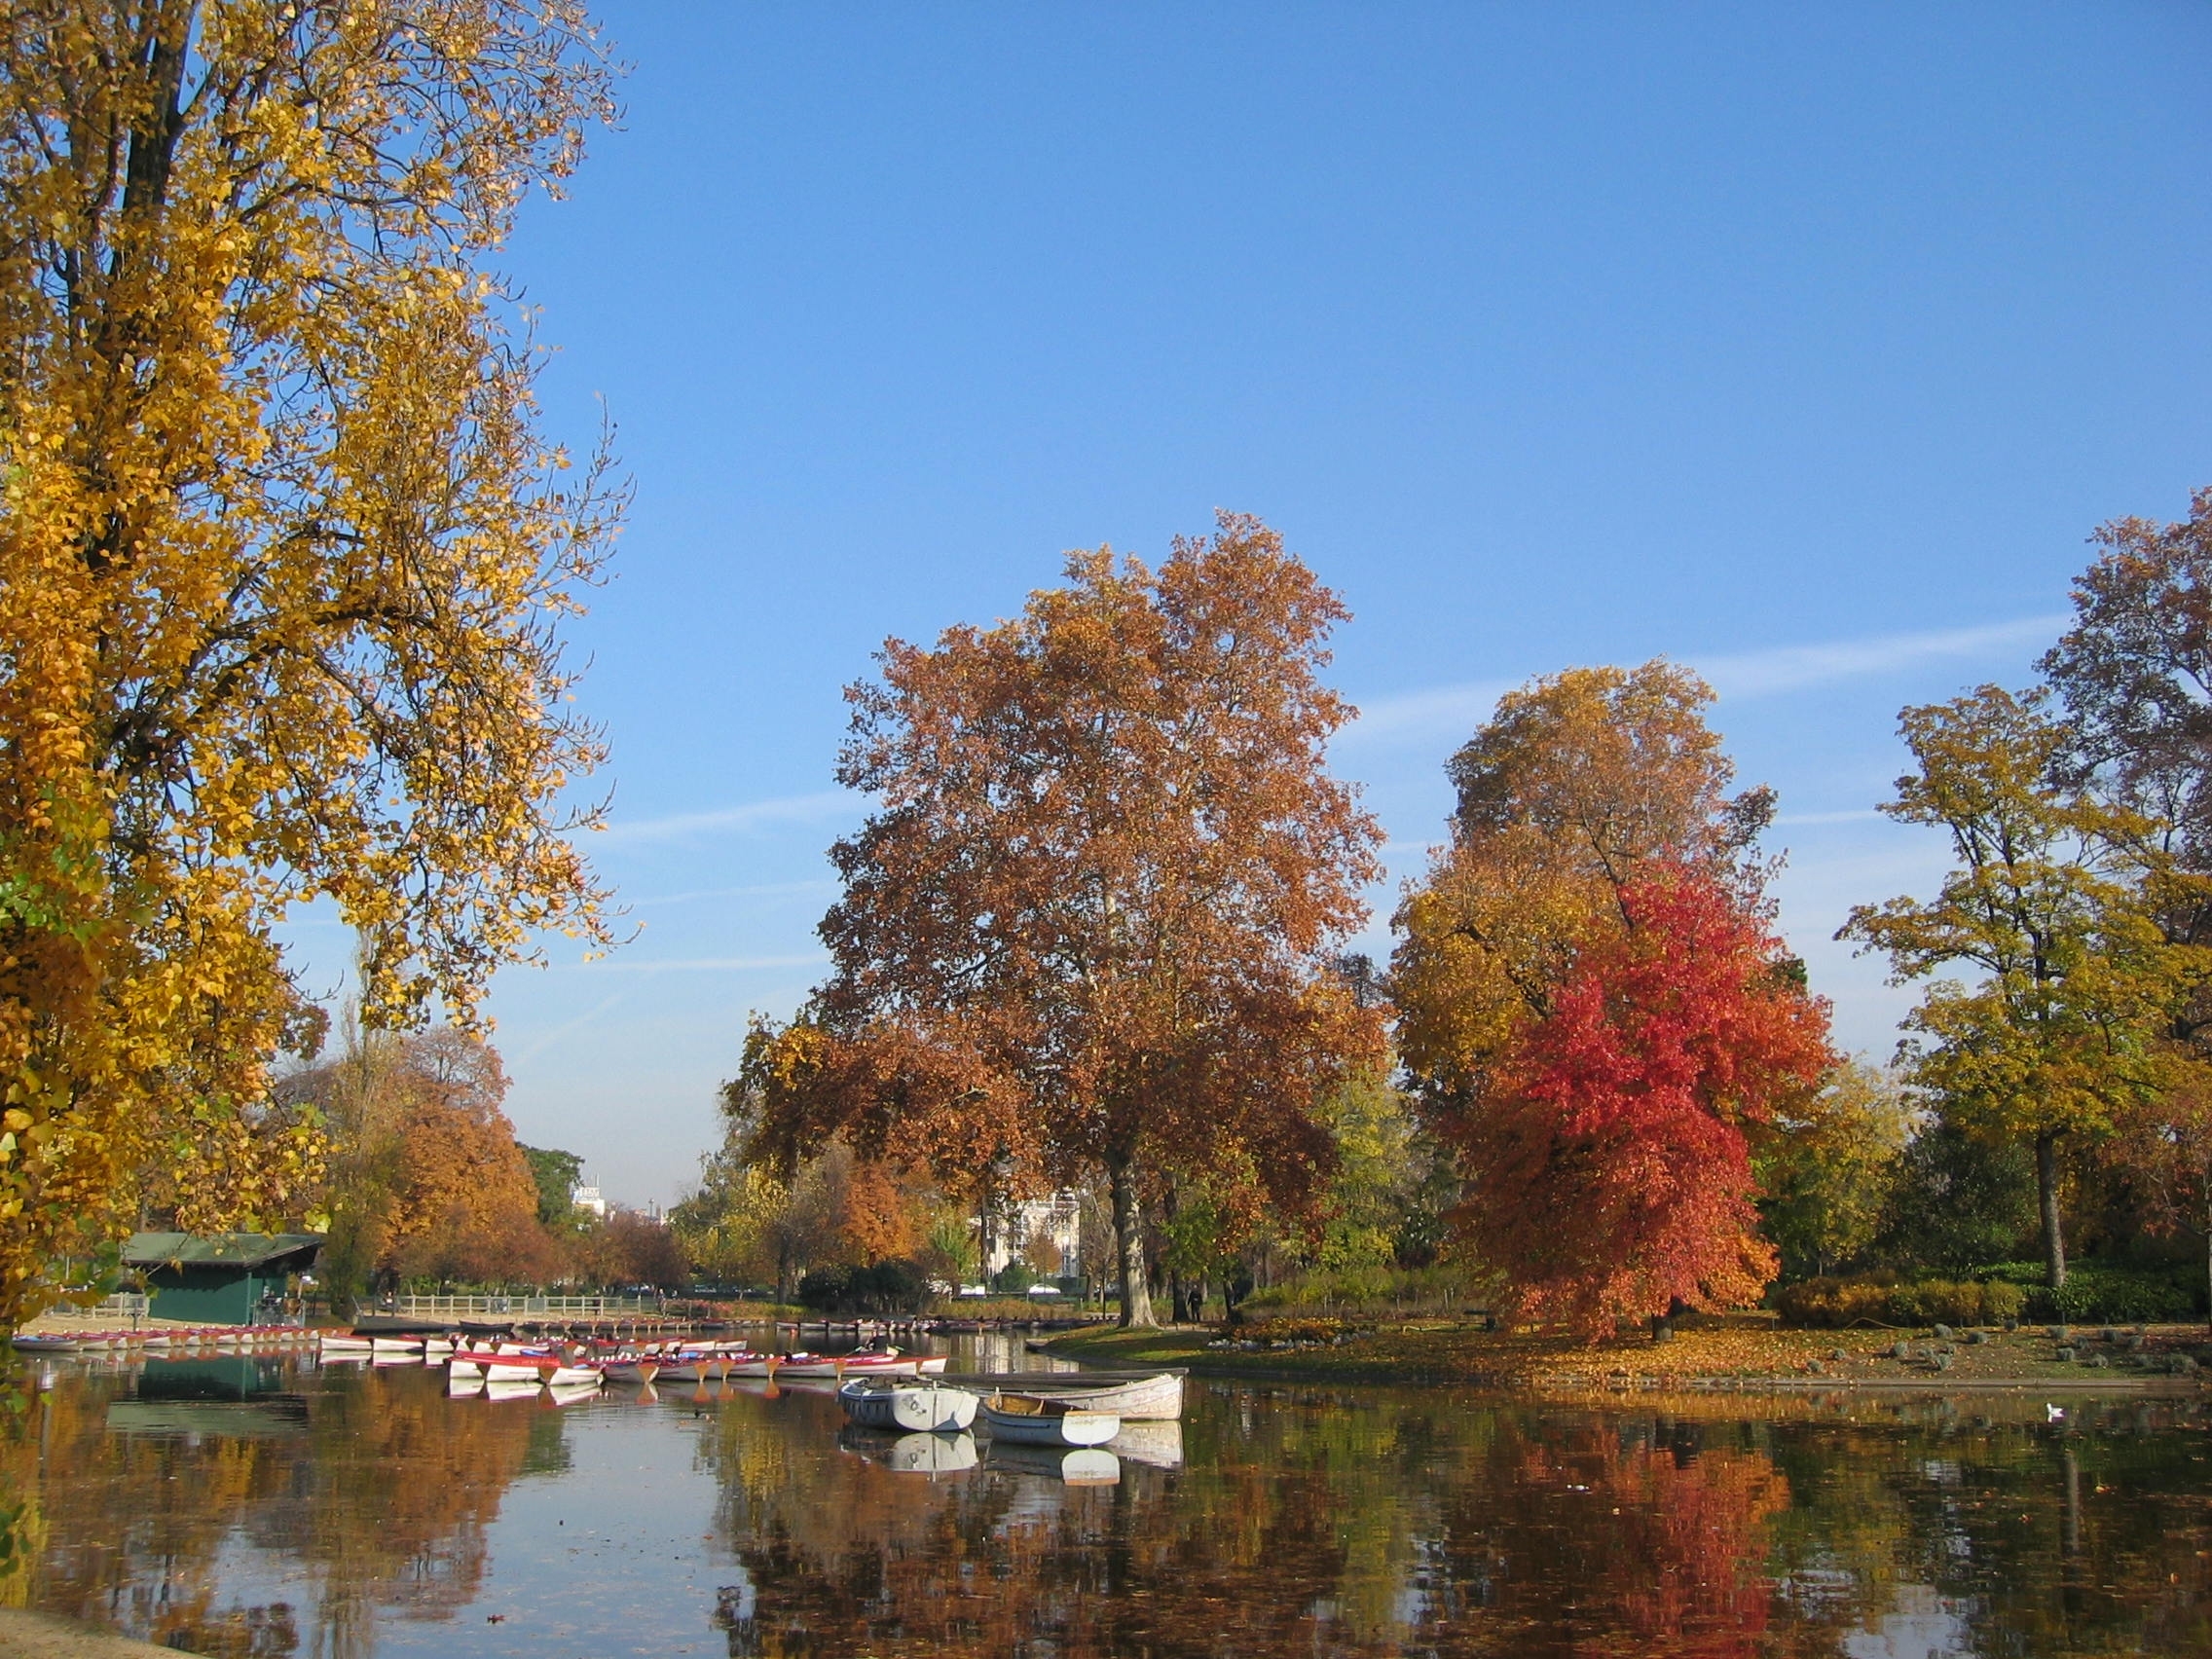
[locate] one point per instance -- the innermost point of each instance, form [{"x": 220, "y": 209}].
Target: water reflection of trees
[
  {"x": 1440, "y": 1526},
  {"x": 382, "y": 1498}
]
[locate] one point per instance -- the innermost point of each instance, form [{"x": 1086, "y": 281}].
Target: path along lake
[{"x": 349, "y": 1510}]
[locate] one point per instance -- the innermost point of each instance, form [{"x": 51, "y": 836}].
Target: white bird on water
[{"x": 2053, "y": 1413}]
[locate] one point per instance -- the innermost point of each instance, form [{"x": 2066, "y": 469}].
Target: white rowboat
[
  {"x": 1028, "y": 1419},
  {"x": 913, "y": 1408},
  {"x": 1144, "y": 1397}
]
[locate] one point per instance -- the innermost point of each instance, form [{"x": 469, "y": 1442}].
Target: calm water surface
[{"x": 351, "y": 1511}]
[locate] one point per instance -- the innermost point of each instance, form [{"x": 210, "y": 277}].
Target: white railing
[{"x": 516, "y": 1307}]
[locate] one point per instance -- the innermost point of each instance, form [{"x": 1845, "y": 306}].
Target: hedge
[
  {"x": 1828, "y": 1303},
  {"x": 2118, "y": 1295}
]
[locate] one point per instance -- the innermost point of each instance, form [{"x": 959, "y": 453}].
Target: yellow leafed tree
[{"x": 283, "y": 558}]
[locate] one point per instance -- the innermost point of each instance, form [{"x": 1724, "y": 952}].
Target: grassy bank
[{"x": 1728, "y": 1357}]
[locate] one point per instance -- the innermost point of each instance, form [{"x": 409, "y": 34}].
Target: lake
[{"x": 262, "y": 1508}]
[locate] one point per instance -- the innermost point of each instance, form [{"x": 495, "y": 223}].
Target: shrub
[
  {"x": 2098, "y": 1290},
  {"x": 1829, "y": 1303},
  {"x": 884, "y": 1287},
  {"x": 1014, "y": 1279}
]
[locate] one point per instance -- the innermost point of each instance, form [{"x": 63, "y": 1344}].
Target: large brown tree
[{"x": 1088, "y": 926}]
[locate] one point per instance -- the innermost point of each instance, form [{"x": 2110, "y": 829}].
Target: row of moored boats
[{"x": 471, "y": 1365}]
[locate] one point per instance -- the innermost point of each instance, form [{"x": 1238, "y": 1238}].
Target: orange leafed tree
[
  {"x": 1580, "y": 782},
  {"x": 1086, "y": 927},
  {"x": 465, "y": 1206},
  {"x": 427, "y": 1178},
  {"x": 1611, "y": 1172}
]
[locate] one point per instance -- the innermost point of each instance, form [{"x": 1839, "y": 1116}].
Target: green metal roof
[{"x": 215, "y": 1249}]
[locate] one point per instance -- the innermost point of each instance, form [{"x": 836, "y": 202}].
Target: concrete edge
[{"x": 25, "y": 1635}]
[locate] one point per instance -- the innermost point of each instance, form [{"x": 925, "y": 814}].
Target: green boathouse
[{"x": 217, "y": 1278}]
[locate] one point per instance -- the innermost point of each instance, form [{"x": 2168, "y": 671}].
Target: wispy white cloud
[
  {"x": 1413, "y": 715},
  {"x": 545, "y": 1040},
  {"x": 1454, "y": 711},
  {"x": 1795, "y": 668},
  {"x": 728, "y": 820},
  {"x": 1854, "y": 815},
  {"x": 703, "y": 964}
]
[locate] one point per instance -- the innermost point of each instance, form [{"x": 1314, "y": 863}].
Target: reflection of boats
[
  {"x": 460, "y": 1384},
  {"x": 505, "y": 1391},
  {"x": 911, "y": 1454},
  {"x": 1031, "y": 1419},
  {"x": 568, "y": 1394},
  {"x": 916, "y": 1407},
  {"x": 1160, "y": 1444},
  {"x": 538, "y": 1367},
  {"x": 1144, "y": 1395},
  {"x": 872, "y": 1362},
  {"x": 1083, "y": 1465}
]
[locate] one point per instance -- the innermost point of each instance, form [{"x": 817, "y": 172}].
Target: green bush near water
[
  {"x": 1830, "y": 1302},
  {"x": 2120, "y": 1295},
  {"x": 886, "y": 1287}
]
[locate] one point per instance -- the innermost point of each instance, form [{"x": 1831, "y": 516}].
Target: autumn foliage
[
  {"x": 1087, "y": 927},
  {"x": 1611, "y": 1168},
  {"x": 282, "y": 558},
  {"x": 427, "y": 1179}
]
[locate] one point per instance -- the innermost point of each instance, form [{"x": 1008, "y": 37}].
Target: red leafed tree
[{"x": 1611, "y": 1174}]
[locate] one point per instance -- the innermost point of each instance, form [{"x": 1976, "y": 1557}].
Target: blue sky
[{"x": 1806, "y": 346}]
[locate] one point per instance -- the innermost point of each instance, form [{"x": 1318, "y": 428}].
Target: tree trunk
[
  {"x": 2046, "y": 1197},
  {"x": 1128, "y": 1245}
]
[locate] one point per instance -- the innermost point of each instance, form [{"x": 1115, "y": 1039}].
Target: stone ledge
[{"x": 25, "y": 1635}]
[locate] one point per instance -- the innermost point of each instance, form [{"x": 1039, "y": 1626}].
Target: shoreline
[
  {"x": 28, "y": 1634},
  {"x": 1733, "y": 1363}
]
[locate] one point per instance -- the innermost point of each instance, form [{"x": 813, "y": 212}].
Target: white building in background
[
  {"x": 1054, "y": 1221},
  {"x": 586, "y": 1197}
]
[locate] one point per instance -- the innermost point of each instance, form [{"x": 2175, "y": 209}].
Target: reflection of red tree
[
  {"x": 1673, "y": 1547},
  {"x": 1294, "y": 1535}
]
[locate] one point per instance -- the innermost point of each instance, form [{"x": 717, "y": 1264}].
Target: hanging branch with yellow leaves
[{"x": 284, "y": 557}]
